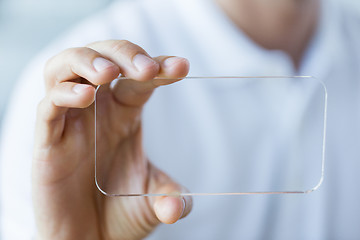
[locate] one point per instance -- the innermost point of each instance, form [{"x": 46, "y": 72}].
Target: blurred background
[{"x": 27, "y": 26}]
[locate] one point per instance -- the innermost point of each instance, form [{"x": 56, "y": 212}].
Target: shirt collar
[{"x": 239, "y": 55}]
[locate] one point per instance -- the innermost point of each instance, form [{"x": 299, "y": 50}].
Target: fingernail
[
  {"x": 184, "y": 206},
  {"x": 142, "y": 62},
  {"x": 101, "y": 63},
  {"x": 171, "y": 61},
  {"x": 78, "y": 88}
]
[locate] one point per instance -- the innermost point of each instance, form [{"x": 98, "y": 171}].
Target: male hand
[{"x": 67, "y": 203}]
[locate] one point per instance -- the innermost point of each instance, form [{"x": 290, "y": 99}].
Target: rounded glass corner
[{"x": 265, "y": 135}]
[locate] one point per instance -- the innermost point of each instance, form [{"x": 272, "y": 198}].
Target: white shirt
[{"x": 199, "y": 31}]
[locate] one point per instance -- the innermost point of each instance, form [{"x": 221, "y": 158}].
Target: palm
[
  {"x": 67, "y": 203},
  {"x": 116, "y": 173}
]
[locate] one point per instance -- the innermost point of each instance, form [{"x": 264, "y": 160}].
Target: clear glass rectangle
[{"x": 228, "y": 136}]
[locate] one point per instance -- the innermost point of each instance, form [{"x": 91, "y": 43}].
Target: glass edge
[{"x": 229, "y": 193}]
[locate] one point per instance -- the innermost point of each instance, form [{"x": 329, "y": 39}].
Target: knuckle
[
  {"x": 75, "y": 53},
  {"x": 123, "y": 42},
  {"x": 47, "y": 69},
  {"x": 40, "y": 109},
  {"x": 68, "y": 55},
  {"x": 123, "y": 46}
]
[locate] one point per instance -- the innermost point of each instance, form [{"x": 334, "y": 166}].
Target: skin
[
  {"x": 286, "y": 25},
  {"x": 66, "y": 201}
]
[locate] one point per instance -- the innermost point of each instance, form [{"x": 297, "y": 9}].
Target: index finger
[
  {"x": 134, "y": 62},
  {"x": 75, "y": 63}
]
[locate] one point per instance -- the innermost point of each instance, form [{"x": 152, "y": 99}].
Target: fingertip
[
  {"x": 63, "y": 96},
  {"x": 176, "y": 67},
  {"x": 146, "y": 68},
  {"x": 169, "y": 209},
  {"x": 81, "y": 88},
  {"x": 85, "y": 94},
  {"x": 100, "y": 64},
  {"x": 105, "y": 70}
]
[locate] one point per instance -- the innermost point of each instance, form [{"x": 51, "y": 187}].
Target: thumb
[{"x": 173, "y": 206}]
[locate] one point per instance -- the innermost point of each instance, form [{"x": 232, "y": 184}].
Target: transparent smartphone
[{"x": 217, "y": 136}]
